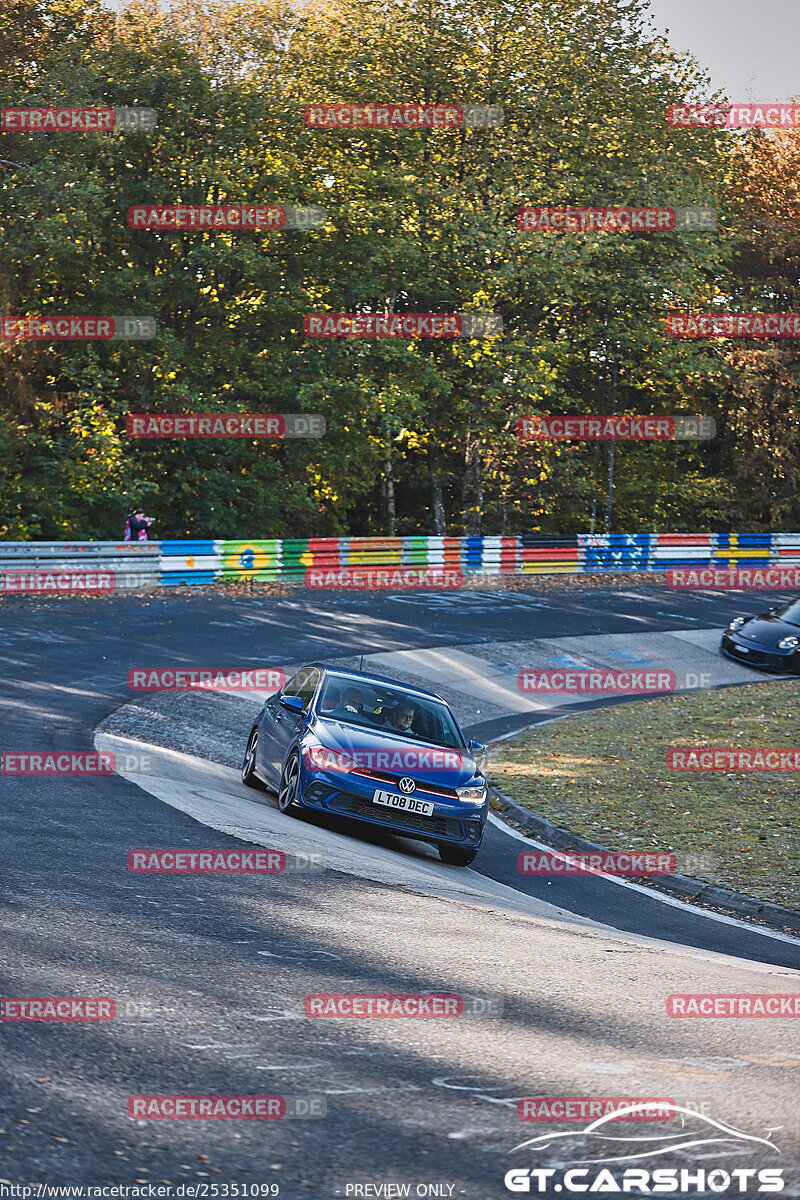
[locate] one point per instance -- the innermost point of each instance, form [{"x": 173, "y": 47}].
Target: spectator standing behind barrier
[{"x": 136, "y": 526}]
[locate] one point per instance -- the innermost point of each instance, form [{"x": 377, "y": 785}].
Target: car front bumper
[
  {"x": 784, "y": 662},
  {"x": 351, "y": 796}
]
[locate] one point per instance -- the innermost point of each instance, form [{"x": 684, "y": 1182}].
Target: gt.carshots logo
[
  {"x": 733, "y": 759},
  {"x": 379, "y": 578},
  {"x": 758, "y": 579},
  {"x": 596, "y": 862},
  {"x": 604, "y": 1141},
  {"x": 57, "y": 1008},
  {"x": 210, "y": 679}
]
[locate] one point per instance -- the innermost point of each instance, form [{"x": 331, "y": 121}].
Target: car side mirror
[
  {"x": 477, "y": 749},
  {"x": 293, "y": 703}
]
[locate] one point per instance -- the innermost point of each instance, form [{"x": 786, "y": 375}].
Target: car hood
[
  {"x": 765, "y": 630},
  {"x": 432, "y": 764}
]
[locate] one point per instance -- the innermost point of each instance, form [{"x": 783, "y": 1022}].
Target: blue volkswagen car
[{"x": 375, "y": 750}]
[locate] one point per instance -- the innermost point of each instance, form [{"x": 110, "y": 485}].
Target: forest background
[{"x": 421, "y": 433}]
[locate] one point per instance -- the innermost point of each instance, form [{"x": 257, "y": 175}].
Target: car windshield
[
  {"x": 400, "y": 713},
  {"x": 790, "y": 613}
]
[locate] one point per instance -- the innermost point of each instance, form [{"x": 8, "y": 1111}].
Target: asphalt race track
[{"x": 209, "y": 974}]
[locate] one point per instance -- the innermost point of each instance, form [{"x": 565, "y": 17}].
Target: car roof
[{"x": 364, "y": 677}]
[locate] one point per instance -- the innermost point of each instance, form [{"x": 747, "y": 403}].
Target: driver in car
[
  {"x": 352, "y": 701},
  {"x": 402, "y": 715}
]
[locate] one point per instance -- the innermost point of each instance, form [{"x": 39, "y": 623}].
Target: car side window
[
  {"x": 292, "y": 688},
  {"x": 307, "y": 686}
]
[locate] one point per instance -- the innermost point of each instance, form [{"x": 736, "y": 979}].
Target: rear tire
[
  {"x": 456, "y": 856},
  {"x": 290, "y": 784},
  {"x": 249, "y": 777}
]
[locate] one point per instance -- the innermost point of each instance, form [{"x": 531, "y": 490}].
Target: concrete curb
[{"x": 692, "y": 890}]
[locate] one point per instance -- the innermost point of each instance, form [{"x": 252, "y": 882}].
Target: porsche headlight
[
  {"x": 475, "y": 794},
  {"x": 789, "y": 643},
  {"x": 736, "y": 623}
]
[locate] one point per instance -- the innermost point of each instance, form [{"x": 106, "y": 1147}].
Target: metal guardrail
[{"x": 133, "y": 565}]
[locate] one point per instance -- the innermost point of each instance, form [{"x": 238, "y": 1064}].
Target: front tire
[
  {"x": 456, "y": 856},
  {"x": 249, "y": 777},
  {"x": 290, "y": 784}
]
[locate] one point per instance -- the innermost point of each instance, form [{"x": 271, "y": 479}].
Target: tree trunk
[
  {"x": 611, "y": 447},
  {"x": 388, "y": 474},
  {"x": 472, "y": 494},
  {"x": 437, "y": 503}
]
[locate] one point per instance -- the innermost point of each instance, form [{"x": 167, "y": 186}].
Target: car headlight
[
  {"x": 323, "y": 759},
  {"x": 474, "y": 794},
  {"x": 789, "y": 643},
  {"x": 736, "y": 623}
]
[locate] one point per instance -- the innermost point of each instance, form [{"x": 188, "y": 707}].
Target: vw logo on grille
[{"x": 406, "y": 785}]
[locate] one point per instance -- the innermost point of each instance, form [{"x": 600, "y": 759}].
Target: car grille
[
  {"x": 357, "y": 806},
  {"x": 756, "y": 658},
  {"x": 388, "y": 777}
]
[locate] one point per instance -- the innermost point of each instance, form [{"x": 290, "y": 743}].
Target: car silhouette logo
[{"x": 406, "y": 785}]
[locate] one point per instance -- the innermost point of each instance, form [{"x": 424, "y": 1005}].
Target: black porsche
[{"x": 769, "y": 641}]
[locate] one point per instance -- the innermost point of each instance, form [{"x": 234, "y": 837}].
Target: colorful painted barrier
[{"x": 204, "y": 561}]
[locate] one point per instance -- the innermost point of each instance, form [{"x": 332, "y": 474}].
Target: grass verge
[{"x": 603, "y": 775}]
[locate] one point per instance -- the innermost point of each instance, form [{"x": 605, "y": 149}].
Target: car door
[
  {"x": 269, "y": 757},
  {"x": 287, "y": 724}
]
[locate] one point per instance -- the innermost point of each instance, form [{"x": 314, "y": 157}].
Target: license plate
[{"x": 403, "y": 803}]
